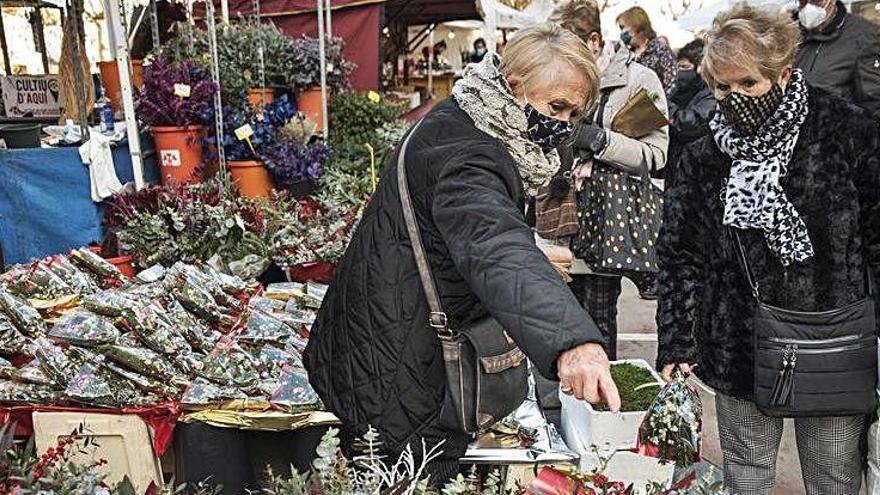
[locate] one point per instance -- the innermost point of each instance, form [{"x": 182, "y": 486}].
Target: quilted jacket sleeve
[
  {"x": 495, "y": 251},
  {"x": 866, "y": 145},
  {"x": 867, "y": 76},
  {"x": 682, "y": 264}
]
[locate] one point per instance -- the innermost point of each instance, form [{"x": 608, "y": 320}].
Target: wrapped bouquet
[{"x": 671, "y": 428}]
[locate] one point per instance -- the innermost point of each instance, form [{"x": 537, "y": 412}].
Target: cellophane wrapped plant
[
  {"x": 157, "y": 103},
  {"x": 671, "y": 428}
]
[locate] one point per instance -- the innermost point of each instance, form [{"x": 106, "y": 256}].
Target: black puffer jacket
[
  {"x": 844, "y": 58},
  {"x": 371, "y": 356},
  {"x": 833, "y": 181}
]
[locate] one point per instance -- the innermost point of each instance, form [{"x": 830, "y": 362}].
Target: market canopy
[
  {"x": 496, "y": 15},
  {"x": 424, "y": 12}
]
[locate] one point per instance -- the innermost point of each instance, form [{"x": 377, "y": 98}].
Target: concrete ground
[{"x": 637, "y": 338}]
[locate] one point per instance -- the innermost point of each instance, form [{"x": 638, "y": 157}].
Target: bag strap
[
  {"x": 603, "y": 102},
  {"x": 745, "y": 263},
  {"x": 437, "y": 318}
]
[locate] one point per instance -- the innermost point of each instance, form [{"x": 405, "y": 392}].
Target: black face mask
[
  {"x": 545, "y": 131},
  {"x": 748, "y": 113},
  {"x": 687, "y": 79}
]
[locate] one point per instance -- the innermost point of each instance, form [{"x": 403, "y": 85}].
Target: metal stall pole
[
  {"x": 79, "y": 90},
  {"x": 329, "y": 14},
  {"x": 7, "y": 64},
  {"x": 431, "y": 63},
  {"x": 224, "y": 10},
  {"x": 322, "y": 49},
  {"x": 154, "y": 25},
  {"x": 261, "y": 61},
  {"x": 40, "y": 35},
  {"x": 116, "y": 26},
  {"x": 218, "y": 103}
]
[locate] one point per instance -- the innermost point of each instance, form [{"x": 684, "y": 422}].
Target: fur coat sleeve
[
  {"x": 681, "y": 256},
  {"x": 866, "y": 147}
]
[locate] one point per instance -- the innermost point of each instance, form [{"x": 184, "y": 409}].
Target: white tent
[
  {"x": 499, "y": 16},
  {"x": 702, "y": 18}
]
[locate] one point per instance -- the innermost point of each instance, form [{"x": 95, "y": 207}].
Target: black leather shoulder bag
[
  {"x": 486, "y": 372},
  {"x": 813, "y": 363}
]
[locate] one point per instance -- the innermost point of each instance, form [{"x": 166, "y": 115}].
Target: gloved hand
[{"x": 590, "y": 137}]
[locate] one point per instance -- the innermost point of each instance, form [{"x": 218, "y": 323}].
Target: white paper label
[{"x": 170, "y": 158}]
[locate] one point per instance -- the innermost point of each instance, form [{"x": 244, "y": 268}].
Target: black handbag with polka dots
[{"x": 619, "y": 221}]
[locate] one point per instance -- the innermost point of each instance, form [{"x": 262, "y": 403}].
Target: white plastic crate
[
  {"x": 583, "y": 426},
  {"x": 123, "y": 440}
]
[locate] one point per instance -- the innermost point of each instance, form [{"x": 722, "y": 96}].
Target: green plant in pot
[
  {"x": 305, "y": 77},
  {"x": 238, "y": 53}
]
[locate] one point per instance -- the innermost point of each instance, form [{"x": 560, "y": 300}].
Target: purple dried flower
[{"x": 159, "y": 106}]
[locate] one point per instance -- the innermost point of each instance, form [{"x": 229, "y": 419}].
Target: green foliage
[
  {"x": 355, "y": 118},
  {"x": 629, "y": 379}
]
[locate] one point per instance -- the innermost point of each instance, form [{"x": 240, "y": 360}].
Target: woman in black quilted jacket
[
  {"x": 471, "y": 164},
  {"x": 794, "y": 172}
]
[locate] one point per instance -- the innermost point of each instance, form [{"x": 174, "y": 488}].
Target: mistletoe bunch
[
  {"x": 178, "y": 94},
  {"x": 322, "y": 234}
]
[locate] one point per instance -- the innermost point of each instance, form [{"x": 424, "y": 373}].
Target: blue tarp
[{"x": 45, "y": 204}]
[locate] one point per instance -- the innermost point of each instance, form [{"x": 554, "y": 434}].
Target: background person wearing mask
[
  {"x": 471, "y": 164},
  {"x": 840, "y": 52},
  {"x": 794, "y": 171},
  {"x": 637, "y": 34},
  {"x": 691, "y": 104},
  {"x": 621, "y": 80},
  {"x": 479, "y": 51}
]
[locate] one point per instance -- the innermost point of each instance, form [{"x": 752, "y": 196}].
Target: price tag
[
  {"x": 182, "y": 90},
  {"x": 244, "y": 132}
]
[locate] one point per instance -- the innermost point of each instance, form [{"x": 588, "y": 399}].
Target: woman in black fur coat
[{"x": 796, "y": 172}]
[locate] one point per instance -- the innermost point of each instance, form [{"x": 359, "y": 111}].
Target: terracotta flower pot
[
  {"x": 124, "y": 265},
  {"x": 254, "y": 96},
  {"x": 179, "y": 151},
  {"x": 110, "y": 80},
  {"x": 309, "y": 103},
  {"x": 251, "y": 178}
]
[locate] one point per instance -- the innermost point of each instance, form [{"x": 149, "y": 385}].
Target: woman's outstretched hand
[{"x": 584, "y": 371}]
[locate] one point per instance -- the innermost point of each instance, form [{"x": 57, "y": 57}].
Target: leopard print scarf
[
  {"x": 753, "y": 197},
  {"x": 485, "y": 96}
]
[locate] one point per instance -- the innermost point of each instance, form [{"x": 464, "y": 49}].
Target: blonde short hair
[
  {"x": 581, "y": 17},
  {"x": 535, "y": 53},
  {"x": 638, "y": 20},
  {"x": 746, "y": 34}
]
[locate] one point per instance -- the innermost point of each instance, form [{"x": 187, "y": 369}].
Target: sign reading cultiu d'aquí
[{"x": 31, "y": 96}]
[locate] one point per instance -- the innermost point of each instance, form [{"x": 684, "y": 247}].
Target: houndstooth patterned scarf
[
  {"x": 753, "y": 197},
  {"x": 485, "y": 96}
]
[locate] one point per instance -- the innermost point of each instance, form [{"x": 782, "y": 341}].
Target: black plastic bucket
[{"x": 21, "y": 135}]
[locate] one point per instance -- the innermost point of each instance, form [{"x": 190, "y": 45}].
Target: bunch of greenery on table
[
  {"x": 321, "y": 234},
  {"x": 199, "y": 222}
]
